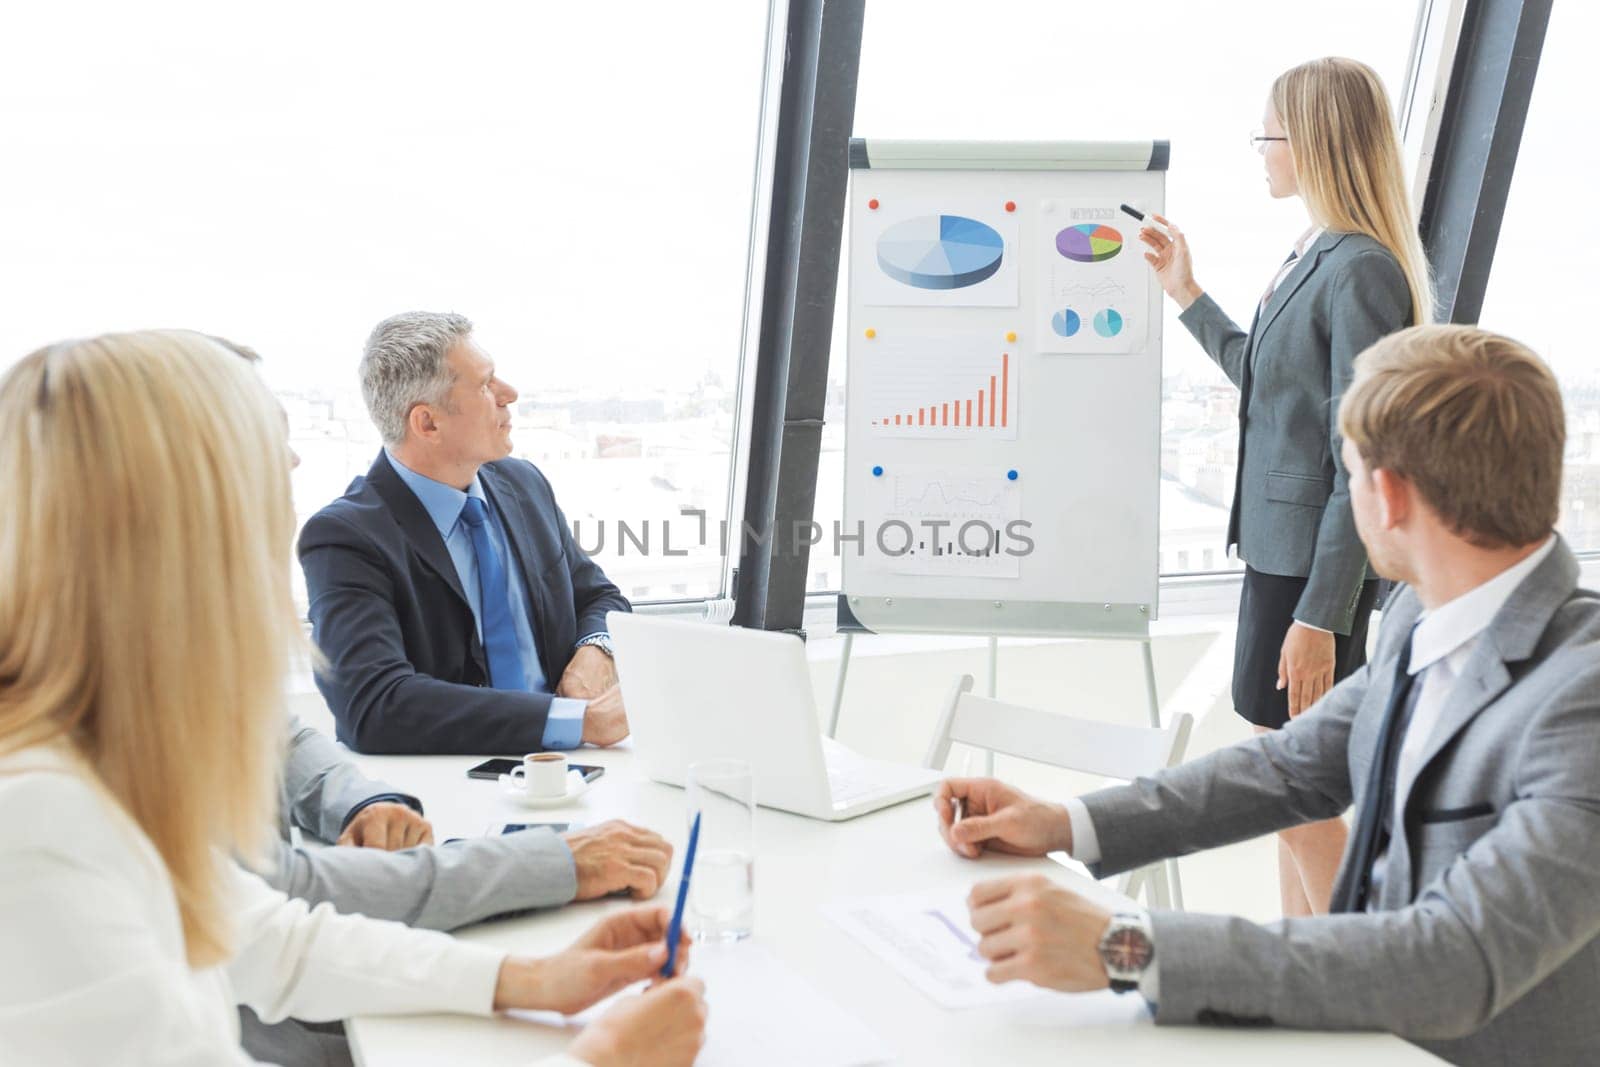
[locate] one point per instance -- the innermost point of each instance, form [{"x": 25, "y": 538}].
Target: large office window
[
  {"x": 1195, "y": 74},
  {"x": 575, "y": 178},
  {"x": 1540, "y": 288}
]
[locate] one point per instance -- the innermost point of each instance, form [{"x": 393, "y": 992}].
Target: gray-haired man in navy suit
[{"x": 455, "y": 609}]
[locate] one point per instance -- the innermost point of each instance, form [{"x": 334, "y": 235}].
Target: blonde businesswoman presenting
[
  {"x": 1356, "y": 274},
  {"x": 146, "y": 624}
]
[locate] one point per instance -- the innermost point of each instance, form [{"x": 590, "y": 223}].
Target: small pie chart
[
  {"x": 1108, "y": 323},
  {"x": 940, "y": 252},
  {"x": 1065, "y": 322},
  {"x": 1089, "y": 242}
]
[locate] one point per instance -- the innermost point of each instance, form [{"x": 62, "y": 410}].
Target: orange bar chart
[{"x": 933, "y": 395}]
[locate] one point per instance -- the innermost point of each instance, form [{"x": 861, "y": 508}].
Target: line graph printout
[
  {"x": 1092, "y": 284},
  {"x": 959, "y": 386},
  {"x": 936, "y": 519},
  {"x": 927, "y": 938}
]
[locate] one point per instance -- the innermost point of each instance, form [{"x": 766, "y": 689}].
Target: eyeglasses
[{"x": 1259, "y": 139}]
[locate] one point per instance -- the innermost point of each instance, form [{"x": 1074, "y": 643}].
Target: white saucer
[{"x": 577, "y": 785}]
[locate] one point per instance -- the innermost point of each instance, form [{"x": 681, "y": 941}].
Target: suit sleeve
[
  {"x": 1219, "y": 335},
  {"x": 323, "y": 787},
  {"x": 1370, "y": 301},
  {"x": 1280, "y": 779},
  {"x": 1514, "y": 907},
  {"x": 381, "y": 703},
  {"x": 434, "y": 887}
]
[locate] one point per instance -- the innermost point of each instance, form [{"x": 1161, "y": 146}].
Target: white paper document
[
  {"x": 761, "y": 1011},
  {"x": 927, "y": 938},
  {"x": 951, "y": 385},
  {"x": 950, "y": 520},
  {"x": 921, "y": 252},
  {"x": 1092, "y": 285}
]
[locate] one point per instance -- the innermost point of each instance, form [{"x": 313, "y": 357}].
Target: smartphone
[
  {"x": 553, "y": 827},
  {"x": 492, "y": 769}
]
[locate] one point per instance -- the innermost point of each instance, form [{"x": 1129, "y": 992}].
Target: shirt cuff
[
  {"x": 1085, "y": 842},
  {"x": 1313, "y": 626},
  {"x": 381, "y": 798},
  {"x": 563, "y": 727},
  {"x": 467, "y": 978}
]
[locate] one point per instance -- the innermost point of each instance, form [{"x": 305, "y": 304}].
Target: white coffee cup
[{"x": 541, "y": 774}]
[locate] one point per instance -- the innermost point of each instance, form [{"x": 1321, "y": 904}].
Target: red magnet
[
  {"x": 872, "y": 204},
  {"x": 1011, "y": 205}
]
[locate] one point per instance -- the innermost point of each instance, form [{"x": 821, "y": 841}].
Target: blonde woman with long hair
[
  {"x": 146, "y": 625},
  {"x": 1357, "y": 274}
]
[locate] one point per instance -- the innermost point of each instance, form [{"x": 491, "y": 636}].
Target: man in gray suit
[
  {"x": 1466, "y": 914},
  {"x": 400, "y": 875}
]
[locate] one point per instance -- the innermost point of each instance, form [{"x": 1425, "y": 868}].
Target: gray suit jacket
[
  {"x": 437, "y": 887},
  {"x": 1291, "y": 502},
  {"x": 1485, "y": 947}
]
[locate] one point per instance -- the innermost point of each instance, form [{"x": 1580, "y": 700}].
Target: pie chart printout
[
  {"x": 940, "y": 252},
  {"x": 1108, "y": 323},
  {"x": 1089, "y": 242},
  {"x": 1065, "y": 322}
]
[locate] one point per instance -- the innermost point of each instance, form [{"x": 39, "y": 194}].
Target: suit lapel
[
  {"x": 1511, "y": 638},
  {"x": 1484, "y": 678},
  {"x": 1297, "y": 277},
  {"x": 416, "y": 524},
  {"x": 1246, "y": 375}
]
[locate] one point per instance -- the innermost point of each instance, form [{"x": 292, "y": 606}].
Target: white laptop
[{"x": 698, "y": 691}]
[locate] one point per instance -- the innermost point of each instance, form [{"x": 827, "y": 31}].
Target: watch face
[{"x": 1126, "y": 950}]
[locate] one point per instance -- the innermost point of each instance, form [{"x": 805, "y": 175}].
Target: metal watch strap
[{"x": 600, "y": 641}]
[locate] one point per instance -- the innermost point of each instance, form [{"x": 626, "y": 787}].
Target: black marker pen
[{"x": 1145, "y": 219}]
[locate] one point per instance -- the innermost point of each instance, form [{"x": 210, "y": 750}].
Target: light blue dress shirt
[{"x": 443, "y": 503}]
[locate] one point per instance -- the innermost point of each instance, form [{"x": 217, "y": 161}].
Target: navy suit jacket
[{"x": 405, "y": 671}]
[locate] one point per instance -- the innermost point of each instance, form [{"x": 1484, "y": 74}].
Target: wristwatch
[
  {"x": 600, "y": 641},
  {"x": 1127, "y": 949}
]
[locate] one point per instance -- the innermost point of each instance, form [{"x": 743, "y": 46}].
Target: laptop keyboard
[
  {"x": 854, "y": 779},
  {"x": 847, "y": 786}
]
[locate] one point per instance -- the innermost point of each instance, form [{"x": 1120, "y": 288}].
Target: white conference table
[{"x": 800, "y": 865}]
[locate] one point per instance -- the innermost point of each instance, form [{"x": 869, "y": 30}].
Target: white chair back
[{"x": 1111, "y": 750}]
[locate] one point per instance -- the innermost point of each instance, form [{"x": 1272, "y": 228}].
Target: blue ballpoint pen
[{"x": 675, "y": 930}]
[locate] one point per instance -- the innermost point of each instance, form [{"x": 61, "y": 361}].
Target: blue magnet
[
  {"x": 877, "y": 472},
  {"x": 1012, "y": 475}
]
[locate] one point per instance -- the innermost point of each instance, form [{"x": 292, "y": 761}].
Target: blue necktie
[{"x": 494, "y": 601}]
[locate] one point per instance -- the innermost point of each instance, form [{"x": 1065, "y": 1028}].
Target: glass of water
[{"x": 721, "y": 903}]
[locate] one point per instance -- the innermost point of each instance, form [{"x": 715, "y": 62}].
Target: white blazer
[{"x": 95, "y": 969}]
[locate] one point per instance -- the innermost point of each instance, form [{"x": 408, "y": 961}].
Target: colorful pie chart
[
  {"x": 1108, "y": 323},
  {"x": 1065, "y": 322},
  {"x": 940, "y": 252},
  {"x": 1089, "y": 243}
]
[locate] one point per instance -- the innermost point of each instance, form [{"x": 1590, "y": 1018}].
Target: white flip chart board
[{"x": 1003, "y": 437}]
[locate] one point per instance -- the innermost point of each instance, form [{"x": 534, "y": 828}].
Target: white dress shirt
[
  {"x": 1307, "y": 239},
  {"x": 1443, "y": 642},
  {"x": 96, "y": 966}
]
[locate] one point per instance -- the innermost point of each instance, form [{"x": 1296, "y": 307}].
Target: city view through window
[{"x": 585, "y": 196}]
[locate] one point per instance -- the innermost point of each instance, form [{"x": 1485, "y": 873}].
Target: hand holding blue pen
[{"x": 675, "y": 930}]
